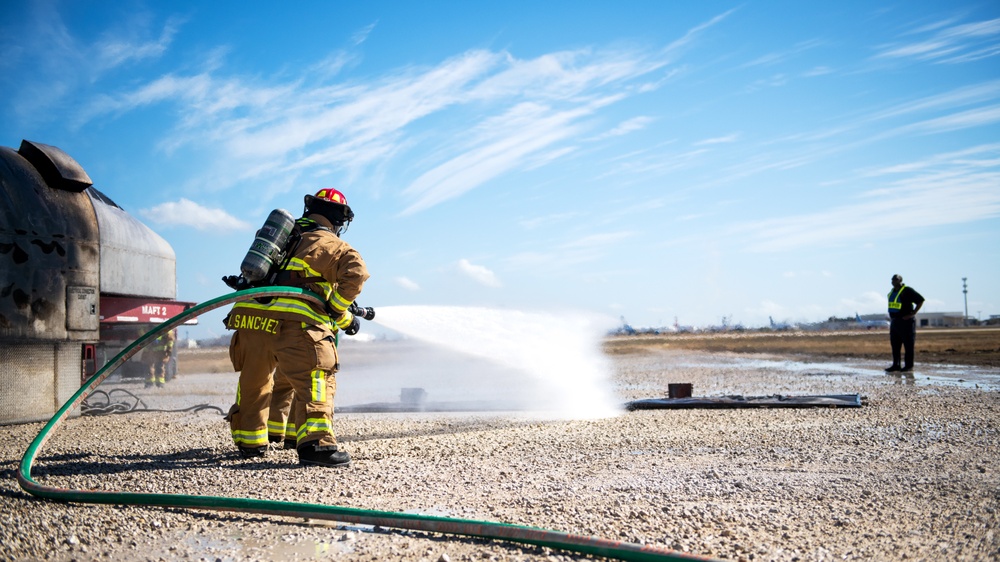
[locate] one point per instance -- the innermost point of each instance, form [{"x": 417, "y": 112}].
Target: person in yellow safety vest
[
  {"x": 160, "y": 352},
  {"x": 297, "y": 337},
  {"x": 904, "y": 303}
]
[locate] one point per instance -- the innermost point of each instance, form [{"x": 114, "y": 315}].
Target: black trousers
[{"x": 903, "y": 334}]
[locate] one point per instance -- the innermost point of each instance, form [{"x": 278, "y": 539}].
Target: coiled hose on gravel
[{"x": 435, "y": 524}]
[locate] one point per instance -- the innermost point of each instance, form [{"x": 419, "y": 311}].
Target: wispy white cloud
[
  {"x": 771, "y": 59},
  {"x": 773, "y": 81},
  {"x": 957, "y": 187},
  {"x": 732, "y": 137},
  {"x": 869, "y": 300},
  {"x": 584, "y": 249},
  {"x": 653, "y": 162},
  {"x": 599, "y": 240},
  {"x": 362, "y": 34},
  {"x": 556, "y": 218},
  {"x": 625, "y": 127},
  {"x": 187, "y": 213},
  {"x": 478, "y": 273},
  {"x": 530, "y": 128},
  {"x": 980, "y": 157},
  {"x": 961, "y": 108},
  {"x": 64, "y": 67},
  {"x": 406, "y": 283},
  {"x": 692, "y": 34},
  {"x": 948, "y": 42},
  {"x": 129, "y": 45},
  {"x": 977, "y": 117},
  {"x": 821, "y": 70},
  {"x": 529, "y": 112},
  {"x": 963, "y": 96},
  {"x": 769, "y": 308}
]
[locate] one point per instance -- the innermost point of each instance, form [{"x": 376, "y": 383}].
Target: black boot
[
  {"x": 253, "y": 452},
  {"x": 893, "y": 369},
  {"x": 310, "y": 454},
  {"x": 290, "y": 443}
]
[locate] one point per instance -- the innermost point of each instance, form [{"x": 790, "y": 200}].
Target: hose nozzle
[{"x": 366, "y": 312}]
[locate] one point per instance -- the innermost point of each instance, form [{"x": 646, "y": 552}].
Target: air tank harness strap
[{"x": 299, "y": 280}]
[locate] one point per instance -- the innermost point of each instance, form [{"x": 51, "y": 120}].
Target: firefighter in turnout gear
[
  {"x": 295, "y": 340},
  {"x": 160, "y": 353}
]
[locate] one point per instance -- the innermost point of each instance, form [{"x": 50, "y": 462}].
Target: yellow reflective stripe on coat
[
  {"x": 339, "y": 303},
  {"x": 293, "y": 305},
  {"x": 345, "y": 320},
  {"x": 275, "y": 428},
  {"x": 318, "y": 385},
  {"x": 252, "y": 438},
  {"x": 298, "y": 264},
  {"x": 283, "y": 304},
  {"x": 314, "y": 425}
]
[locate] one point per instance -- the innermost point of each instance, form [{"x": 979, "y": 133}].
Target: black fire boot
[
  {"x": 253, "y": 452},
  {"x": 290, "y": 444},
  {"x": 310, "y": 454},
  {"x": 893, "y": 369}
]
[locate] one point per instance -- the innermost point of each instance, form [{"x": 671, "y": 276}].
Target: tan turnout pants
[
  {"x": 306, "y": 359},
  {"x": 280, "y": 426}
]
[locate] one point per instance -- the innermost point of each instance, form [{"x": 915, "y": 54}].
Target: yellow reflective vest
[{"x": 894, "y": 304}]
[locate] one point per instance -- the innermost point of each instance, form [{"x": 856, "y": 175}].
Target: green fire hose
[{"x": 435, "y": 524}]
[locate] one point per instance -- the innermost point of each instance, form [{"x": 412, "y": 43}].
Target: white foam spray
[{"x": 554, "y": 361}]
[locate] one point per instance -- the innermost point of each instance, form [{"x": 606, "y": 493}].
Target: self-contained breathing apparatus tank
[{"x": 266, "y": 252}]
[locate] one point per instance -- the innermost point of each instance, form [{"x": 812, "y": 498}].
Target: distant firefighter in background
[
  {"x": 904, "y": 302},
  {"x": 160, "y": 352}
]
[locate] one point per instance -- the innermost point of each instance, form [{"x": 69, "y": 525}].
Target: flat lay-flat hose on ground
[{"x": 435, "y": 524}]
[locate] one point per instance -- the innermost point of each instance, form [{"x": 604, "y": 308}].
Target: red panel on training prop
[{"x": 140, "y": 310}]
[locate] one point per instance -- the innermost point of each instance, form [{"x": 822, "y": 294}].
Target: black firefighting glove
[{"x": 354, "y": 327}]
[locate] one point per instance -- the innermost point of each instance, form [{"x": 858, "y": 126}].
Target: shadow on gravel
[
  {"x": 8, "y": 474},
  {"x": 92, "y": 463}
]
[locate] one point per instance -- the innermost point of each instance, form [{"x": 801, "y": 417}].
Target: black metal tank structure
[{"x": 66, "y": 248}]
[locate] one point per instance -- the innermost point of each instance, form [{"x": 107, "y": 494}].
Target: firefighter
[
  {"x": 161, "y": 351},
  {"x": 296, "y": 337}
]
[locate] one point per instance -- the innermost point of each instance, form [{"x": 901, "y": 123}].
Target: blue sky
[{"x": 652, "y": 160}]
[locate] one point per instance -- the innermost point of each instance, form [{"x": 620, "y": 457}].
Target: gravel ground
[{"x": 912, "y": 475}]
